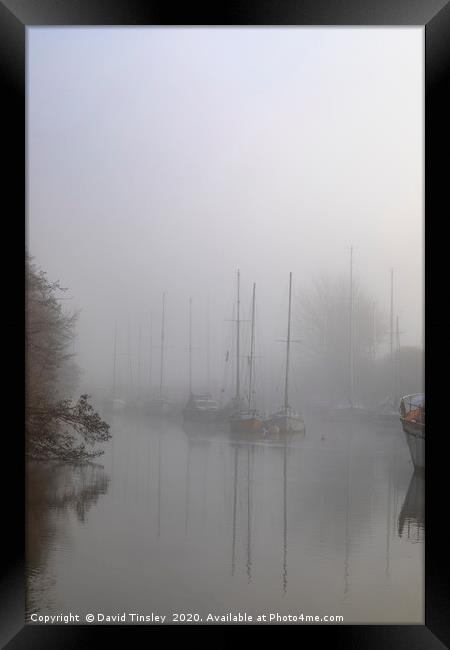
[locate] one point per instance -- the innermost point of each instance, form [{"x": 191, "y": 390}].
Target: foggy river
[{"x": 174, "y": 521}]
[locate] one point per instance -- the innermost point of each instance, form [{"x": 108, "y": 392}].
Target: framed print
[{"x": 220, "y": 220}]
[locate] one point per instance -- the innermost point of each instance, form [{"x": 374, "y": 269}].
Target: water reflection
[
  {"x": 285, "y": 518},
  {"x": 197, "y": 519},
  {"x": 53, "y": 490},
  {"x": 243, "y": 449},
  {"x": 411, "y": 521}
]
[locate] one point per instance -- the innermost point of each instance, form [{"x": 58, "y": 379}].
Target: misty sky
[{"x": 162, "y": 159}]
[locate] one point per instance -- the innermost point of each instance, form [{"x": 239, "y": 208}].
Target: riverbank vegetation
[{"x": 58, "y": 426}]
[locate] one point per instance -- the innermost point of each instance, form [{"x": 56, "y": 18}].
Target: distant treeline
[{"x": 57, "y": 426}]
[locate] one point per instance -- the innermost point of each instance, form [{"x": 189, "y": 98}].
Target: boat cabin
[{"x": 203, "y": 402}]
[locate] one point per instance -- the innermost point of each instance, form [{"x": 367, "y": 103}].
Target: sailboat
[
  {"x": 286, "y": 419},
  {"x": 199, "y": 407},
  {"x": 412, "y": 417},
  {"x": 247, "y": 420},
  {"x": 159, "y": 405}
]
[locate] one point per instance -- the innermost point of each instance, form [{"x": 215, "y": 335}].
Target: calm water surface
[{"x": 196, "y": 521}]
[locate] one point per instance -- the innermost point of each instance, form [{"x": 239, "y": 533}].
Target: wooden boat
[
  {"x": 286, "y": 419},
  {"x": 249, "y": 421},
  {"x": 412, "y": 417},
  {"x": 245, "y": 420}
]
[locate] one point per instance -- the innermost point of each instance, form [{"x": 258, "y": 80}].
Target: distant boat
[
  {"x": 201, "y": 407},
  {"x": 412, "y": 417},
  {"x": 245, "y": 419},
  {"x": 286, "y": 419},
  {"x": 118, "y": 404}
]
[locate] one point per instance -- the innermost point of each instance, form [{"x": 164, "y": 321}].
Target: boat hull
[
  {"x": 246, "y": 425},
  {"x": 287, "y": 424},
  {"x": 415, "y": 438}
]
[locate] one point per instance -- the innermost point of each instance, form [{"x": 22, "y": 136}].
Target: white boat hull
[{"x": 415, "y": 437}]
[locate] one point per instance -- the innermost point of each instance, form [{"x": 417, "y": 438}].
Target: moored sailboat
[
  {"x": 199, "y": 407},
  {"x": 287, "y": 419},
  {"x": 245, "y": 419}
]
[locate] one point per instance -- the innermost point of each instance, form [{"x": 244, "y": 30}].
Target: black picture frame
[{"x": 18, "y": 15}]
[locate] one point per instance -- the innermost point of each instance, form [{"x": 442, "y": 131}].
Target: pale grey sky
[{"x": 165, "y": 158}]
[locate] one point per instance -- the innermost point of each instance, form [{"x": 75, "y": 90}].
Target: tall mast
[
  {"x": 150, "y": 360},
  {"x": 397, "y": 363},
  {"x": 252, "y": 342},
  {"x": 238, "y": 388},
  {"x": 139, "y": 362},
  {"x": 288, "y": 345},
  {"x": 350, "y": 344},
  {"x": 115, "y": 359},
  {"x": 162, "y": 346},
  {"x": 130, "y": 367},
  {"x": 190, "y": 345},
  {"x": 374, "y": 331},
  {"x": 391, "y": 337},
  {"x": 208, "y": 342}
]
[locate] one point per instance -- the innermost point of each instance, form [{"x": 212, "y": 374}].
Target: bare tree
[
  {"x": 57, "y": 426},
  {"x": 323, "y": 314}
]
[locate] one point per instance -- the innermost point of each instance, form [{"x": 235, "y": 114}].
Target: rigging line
[
  {"x": 162, "y": 345},
  {"x": 288, "y": 343}
]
